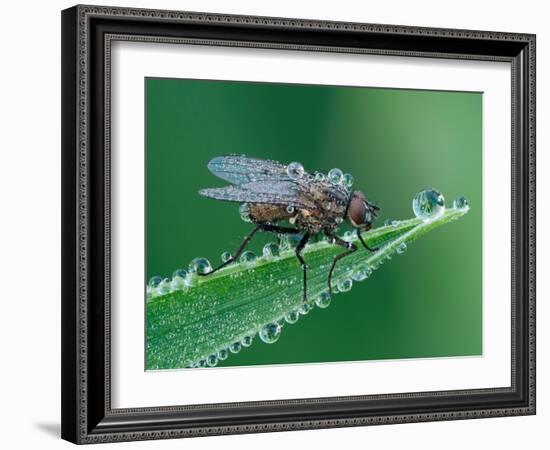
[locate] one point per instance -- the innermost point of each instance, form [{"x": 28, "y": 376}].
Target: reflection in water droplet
[
  {"x": 294, "y": 170},
  {"x": 244, "y": 211},
  {"x": 200, "y": 266},
  {"x": 212, "y": 360},
  {"x": 319, "y": 176},
  {"x": 270, "y": 333},
  {"x": 345, "y": 285},
  {"x": 292, "y": 317},
  {"x": 222, "y": 354},
  {"x": 323, "y": 300},
  {"x": 428, "y": 204},
  {"x": 461, "y": 203},
  {"x": 335, "y": 176},
  {"x": 154, "y": 282},
  {"x": 270, "y": 250},
  {"x": 226, "y": 256},
  {"x": 305, "y": 309}
]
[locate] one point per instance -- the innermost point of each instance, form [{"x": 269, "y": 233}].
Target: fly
[{"x": 274, "y": 193}]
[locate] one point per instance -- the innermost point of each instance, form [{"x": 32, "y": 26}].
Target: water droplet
[
  {"x": 348, "y": 179},
  {"x": 179, "y": 273},
  {"x": 402, "y": 247},
  {"x": 212, "y": 360},
  {"x": 247, "y": 257},
  {"x": 323, "y": 301},
  {"x": 290, "y": 209},
  {"x": 394, "y": 223},
  {"x": 270, "y": 333},
  {"x": 294, "y": 170},
  {"x": 246, "y": 341},
  {"x": 348, "y": 236},
  {"x": 461, "y": 203},
  {"x": 244, "y": 211},
  {"x": 338, "y": 219},
  {"x": 200, "y": 266},
  {"x": 335, "y": 176},
  {"x": 222, "y": 354},
  {"x": 270, "y": 250},
  {"x": 428, "y": 204},
  {"x": 226, "y": 256},
  {"x": 319, "y": 176},
  {"x": 178, "y": 279},
  {"x": 292, "y": 220},
  {"x": 154, "y": 282},
  {"x": 305, "y": 308},
  {"x": 164, "y": 287},
  {"x": 235, "y": 347},
  {"x": 292, "y": 317},
  {"x": 201, "y": 363},
  {"x": 360, "y": 275},
  {"x": 345, "y": 285}
]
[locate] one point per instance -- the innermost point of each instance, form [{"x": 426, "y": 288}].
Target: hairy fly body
[{"x": 306, "y": 204}]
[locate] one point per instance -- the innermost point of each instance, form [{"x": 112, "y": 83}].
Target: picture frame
[{"x": 88, "y": 33}]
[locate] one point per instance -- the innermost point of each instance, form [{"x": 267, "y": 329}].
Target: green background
[{"x": 395, "y": 142}]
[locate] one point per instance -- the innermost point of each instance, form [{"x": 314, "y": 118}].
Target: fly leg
[
  {"x": 238, "y": 252},
  {"x": 350, "y": 248},
  {"x": 299, "y": 249},
  {"x": 362, "y": 241}
]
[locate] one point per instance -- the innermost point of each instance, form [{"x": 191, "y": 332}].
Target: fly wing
[
  {"x": 274, "y": 192},
  {"x": 240, "y": 170}
]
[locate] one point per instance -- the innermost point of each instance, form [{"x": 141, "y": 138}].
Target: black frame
[{"x": 87, "y": 32}]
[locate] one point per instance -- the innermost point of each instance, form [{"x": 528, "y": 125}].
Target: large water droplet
[
  {"x": 270, "y": 250},
  {"x": 428, "y": 204},
  {"x": 270, "y": 333},
  {"x": 292, "y": 317},
  {"x": 247, "y": 257},
  {"x": 461, "y": 203},
  {"x": 323, "y": 300},
  {"x": 246, "y": 341},
  {"x": 294, "y": 170},
  {"x": 244, "y": 211},
  {"x": 200, "y": 266},
  {"x": 348, "y": 179},
  {"x": 154, "y": 282},
  {"x": 335, "y": 176},
  {"x": 345, "y": 285}
]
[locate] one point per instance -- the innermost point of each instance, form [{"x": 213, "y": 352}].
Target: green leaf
[{"x": 209, "y": 314}]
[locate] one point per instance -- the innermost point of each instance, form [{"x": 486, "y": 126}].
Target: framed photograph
[{"x": 281, "y": 224}]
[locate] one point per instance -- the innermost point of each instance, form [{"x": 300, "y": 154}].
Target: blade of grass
[{"x": 190, "y": 326}]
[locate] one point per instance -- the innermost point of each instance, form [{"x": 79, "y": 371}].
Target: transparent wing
[{"x": 240, "y": 170}]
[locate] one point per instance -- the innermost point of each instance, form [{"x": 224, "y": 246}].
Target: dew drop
[
  {"x": 244, "y": 211},
  {"x": 164, "y": 287},
  {"x": 323, "y": 300},
  {"x": 292, "y": 317},
  {"x": 270, "y": 333},
  {"x": 201, "y": 363},
  {"x": 428, "y": 204},
  {"x": 348, "y": 179},
  {"x": 319, "y": 176},
  {"x": 178, "y": 279},
  {"x": 359, "y": 275},
  {"x": 246, "y": 341},
  {"x": 247, "y": 257},
  {"x": 305, "y": 309},
  {"x": 402, "y": 247},
  {"x": 270, "y": 250},
  {"x": 290, "y": 209},
  {"x": 200, "y": 266},
  {"x": 294, "y": 170},
  {"x": 154, "y": 282},
  {"x": 461, "y": 203},
  {"x": 345, "y": 285},
  {"x": 222, "y": 354},
  {"x": 335, "y": 176},
  {"x": 212, "y": 360},
  {"x": 338, "y": 219},
  {"x": 226, "y": 256},
  {"x": 235, "y": 347},
  {"x": 348, "y": 236}
]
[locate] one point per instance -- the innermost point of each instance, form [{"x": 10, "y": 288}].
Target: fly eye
[{"x": 357, "y": 212}]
